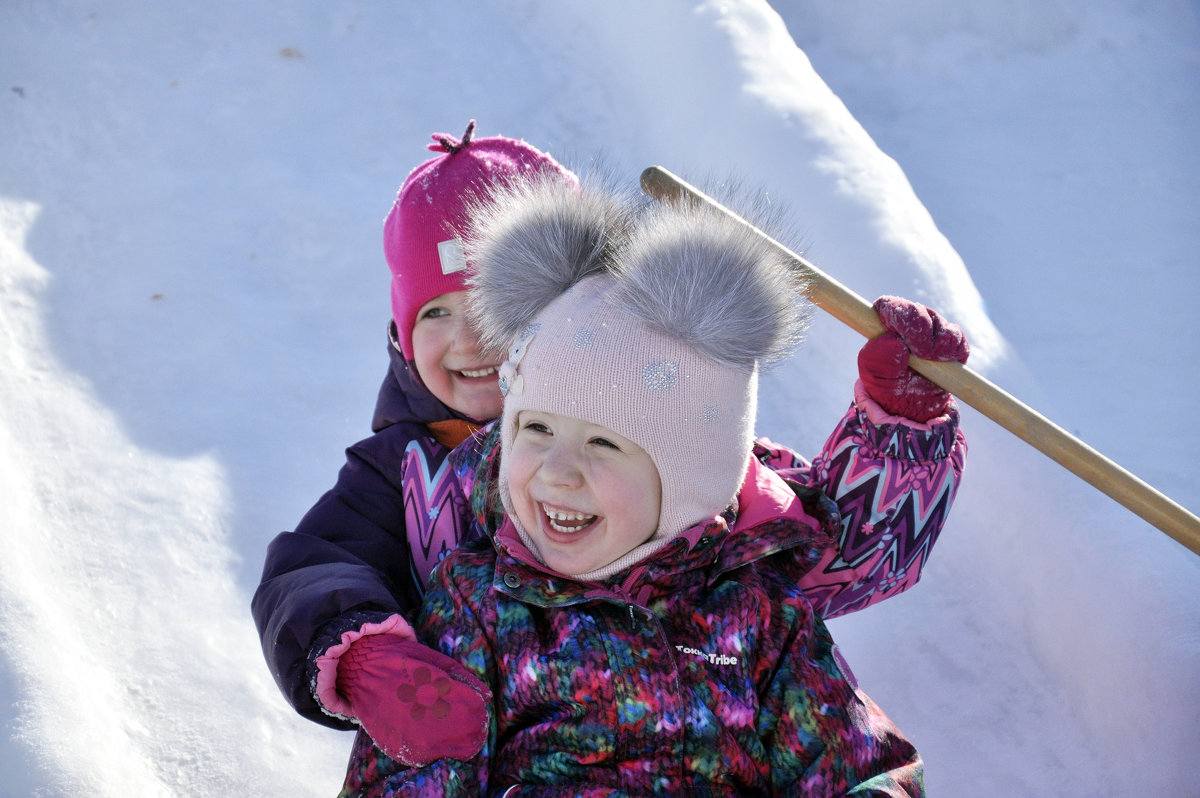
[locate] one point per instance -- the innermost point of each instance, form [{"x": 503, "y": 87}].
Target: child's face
[
  {"x": 449, "y": 359},
  {"x": 584, "y": 494}
]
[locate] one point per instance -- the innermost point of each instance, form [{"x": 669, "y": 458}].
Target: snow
[{"x": 194, "y": 297}]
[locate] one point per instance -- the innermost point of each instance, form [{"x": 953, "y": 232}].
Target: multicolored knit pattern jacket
[
  {"x": 891, "y": 480},
  {"x": 704, "y": 671},
  {"x": 364, "y": 551}
]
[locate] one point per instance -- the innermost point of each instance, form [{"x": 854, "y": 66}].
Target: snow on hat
[
  {"x": 421, "y": 233},
  {"x": 659, "y": 337}
]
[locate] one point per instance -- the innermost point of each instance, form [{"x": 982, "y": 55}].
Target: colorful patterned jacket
[
  {"x": 891, "y": 480},
  {"x": 702, "y": 671}
]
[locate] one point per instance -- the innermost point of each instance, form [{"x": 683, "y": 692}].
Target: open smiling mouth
[
  {"x": 566, "y": 522},
  {"x": 483, "y": 372}
]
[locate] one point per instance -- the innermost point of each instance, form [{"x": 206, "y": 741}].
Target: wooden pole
[{"x": 1028, "y": 425}]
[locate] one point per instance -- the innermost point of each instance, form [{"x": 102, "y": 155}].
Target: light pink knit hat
[
  {"x": 421, "y": 234},
  {"x": 586, "y": 356},
  {"x": 654, "y": 326}
]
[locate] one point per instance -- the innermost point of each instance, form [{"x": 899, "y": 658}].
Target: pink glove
[
  {"x": 417, "y": 704},
  {"x": 883, "y": 361}
]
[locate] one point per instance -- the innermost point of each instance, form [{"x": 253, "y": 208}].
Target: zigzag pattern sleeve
[
  {"x": 894, "y": 485},
  {"x": 435, "y": 509}
]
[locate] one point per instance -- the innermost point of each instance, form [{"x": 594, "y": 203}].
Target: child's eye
[
  {"x": 537, "y": 426},
  {"x": 606, "y": 443},
  {"x": 434, "y": 313}
]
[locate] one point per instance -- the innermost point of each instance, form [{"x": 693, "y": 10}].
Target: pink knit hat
[{"x": 421, "y": 233}]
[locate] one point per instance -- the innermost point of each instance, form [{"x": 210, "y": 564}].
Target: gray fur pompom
[
  {"x": 700, "y": 276},
  {"x": 531, "y": 240}
]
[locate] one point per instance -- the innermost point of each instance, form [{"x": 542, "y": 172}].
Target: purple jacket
[
  {"x": 701, "y": 671},
  {"x": 364, "y": 550}
]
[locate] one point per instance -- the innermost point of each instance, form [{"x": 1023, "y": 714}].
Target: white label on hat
[{"x": 451, "y": 255}]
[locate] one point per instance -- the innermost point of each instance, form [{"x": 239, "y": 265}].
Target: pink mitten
[
  {"x": 883, "y": 361},
  {"x": 417, "y": 704}
]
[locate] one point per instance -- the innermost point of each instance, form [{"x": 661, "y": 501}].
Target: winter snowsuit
[
  {"x": 351, "y": 558},
  {"x": 365, "y": 549},
  {"x": 703, "y": 670},
  {"x": 891, "y": 480}
]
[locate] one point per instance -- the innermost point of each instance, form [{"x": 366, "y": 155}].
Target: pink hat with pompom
[
  {"x": 421, "y": 234},
  {"x": 650, "y": 321}
]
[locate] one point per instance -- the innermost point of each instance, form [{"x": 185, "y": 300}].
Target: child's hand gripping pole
[
  {"x": 912, "y": 329},
  {"x": 1028, "y": 425}
]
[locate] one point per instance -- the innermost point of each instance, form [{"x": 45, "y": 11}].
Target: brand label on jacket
[{"x": 713, "y": 659}]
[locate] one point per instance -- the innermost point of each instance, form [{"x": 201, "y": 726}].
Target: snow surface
[{"x": 194, "y": 297}]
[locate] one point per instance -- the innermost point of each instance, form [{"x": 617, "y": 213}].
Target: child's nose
[{"x": 560, "y": 467}]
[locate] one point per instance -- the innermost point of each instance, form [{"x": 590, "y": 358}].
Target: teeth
[
  {"x": 479, "y": 372},
  {"x": 558, "y": 517}
]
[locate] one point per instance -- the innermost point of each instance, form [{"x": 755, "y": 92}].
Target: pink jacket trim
[
  {"x": 327, "y": 663},
  {"x": 764, "y": 495}
]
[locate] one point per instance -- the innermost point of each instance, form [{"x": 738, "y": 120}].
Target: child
[
  {"x": 638, "y": 617},
  {"x": 358, "y": 560}
]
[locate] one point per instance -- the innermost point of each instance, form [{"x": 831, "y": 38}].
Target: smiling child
[{"x": 639, "y": 617}]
